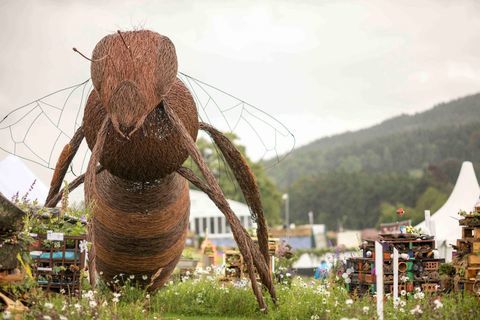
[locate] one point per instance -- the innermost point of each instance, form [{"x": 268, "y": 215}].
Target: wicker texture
[{"x": 141, "y": 124}]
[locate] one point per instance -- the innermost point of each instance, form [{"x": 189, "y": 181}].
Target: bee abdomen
[{"x": 139, "y": 228}]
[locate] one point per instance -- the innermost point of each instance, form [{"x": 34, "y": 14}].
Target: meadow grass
[{"x": 208, "y": 298}]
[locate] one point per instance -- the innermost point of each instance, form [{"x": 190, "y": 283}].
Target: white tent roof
[
  {"x": 202, "y": 206},
  {"x": 15, "y": 177},
  {"x": 463, "y": 197}
]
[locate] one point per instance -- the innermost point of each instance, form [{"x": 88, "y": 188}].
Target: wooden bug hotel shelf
[
  {"x": 466, "y": 259},
  {"x": 417, "y": 266},
  {"x": 57, "y": 264},
  {"x": 236, "y": 268}
]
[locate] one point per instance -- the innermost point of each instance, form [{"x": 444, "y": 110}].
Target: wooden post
[
  {"x": 379, "y": 278},
  {"x": 395, "y": 275}
]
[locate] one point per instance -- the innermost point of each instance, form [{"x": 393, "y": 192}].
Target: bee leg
[
  {"x": 90, "y": 191},
  {"x": 216, "y": 194},
  {"x": 71, "y": 186},
  {"x": 239, "y": 233},
  {"x": 249, "y": 187},
  {"x": 63, "y": 162},
  {"x": 159, "y": 279}
]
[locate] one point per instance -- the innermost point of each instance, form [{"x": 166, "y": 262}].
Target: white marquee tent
[
  {"x": 15, "y": 177},
  {"x": 444, "y": 222}
]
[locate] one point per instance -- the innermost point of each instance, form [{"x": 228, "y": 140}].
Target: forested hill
[{"x": 403, "y": 143}]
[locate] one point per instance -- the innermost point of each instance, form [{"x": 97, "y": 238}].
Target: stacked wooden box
[
  {"x": 467, "y": 256},
  {"x": 417, "y": 265},
  {"x": 235, "y": 267}
]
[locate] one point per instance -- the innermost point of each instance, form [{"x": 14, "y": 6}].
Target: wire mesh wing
[
  {"x": 39, "y": 130},
  {"x": 268, "y": 138}
]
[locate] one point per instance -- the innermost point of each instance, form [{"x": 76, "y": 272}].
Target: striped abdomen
[{"x": 139, "y": 228}]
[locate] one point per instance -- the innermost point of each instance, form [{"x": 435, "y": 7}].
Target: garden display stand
[
  {"x": 235, "y": 267},
  {"x": 417, "y": 265},
  {"x": 467, "y": 257},
  {"x": 57, "y": 262}
]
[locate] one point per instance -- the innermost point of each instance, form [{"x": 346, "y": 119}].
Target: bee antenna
[
  {"x": 84, "y": 56},
  {"x": 129, "y": 51},
  {"x": 125, "y": 43}
]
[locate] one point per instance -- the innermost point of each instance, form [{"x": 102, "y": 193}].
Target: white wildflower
[
  {"x": 105, "y": 303},
  {"x": 366, "y": 309},
  {"x": 115, "y": 300},
  {"x": 47, "y": 318},
  {"x": 314, "y": 317},
  {"x": 7, "y": 315},
  {"x": 62, "y": 291},
  {"x": 132, "y": 277},
  {"x": 88, "y": 295},
  {"x": 419, "y": 295},
  {"x": 48, "y": 305},
  {"x": 416, "y": 310},
  {"x": 288, "y": 274},
  {"x": 438, "y": 304},
  {"x": 403, "y": 292},
  {"x": 92, "y": 304},
  {"x": 63, "y": 318},
  {"x": 77, "y": 306},
  {"x": 418, "y": 289},
  {"x": 349, "y": 301},
  {"x": 83, "y": 245},
  {"x": 144, "y": 277}
]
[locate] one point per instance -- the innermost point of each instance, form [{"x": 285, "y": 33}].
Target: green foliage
[
  {"x": 448, "y": 131},
  {"x": 271, "y": 197},
  {"x": 358, "y": 179},
  {"x": 353, "y": 200},
  {"x": 207, "y": 298}
]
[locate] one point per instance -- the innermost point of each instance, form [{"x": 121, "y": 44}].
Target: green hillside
[
  {"x": 401, "y": 143},
  {"x": 357, "y": 179}
]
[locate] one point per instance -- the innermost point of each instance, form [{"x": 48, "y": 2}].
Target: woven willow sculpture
[{"x": 141, "y": 124}]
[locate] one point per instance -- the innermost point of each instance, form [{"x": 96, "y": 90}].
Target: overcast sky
[{"x": 320, "y": 67}]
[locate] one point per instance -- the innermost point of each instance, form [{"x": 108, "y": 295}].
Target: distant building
[
  {"x": 302, "y": 237},
  {"x": 349, "y": 238},
  {"x": 205, "y": 218}
]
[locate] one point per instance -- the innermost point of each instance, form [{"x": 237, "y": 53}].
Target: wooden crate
[
  {"x": 467, "y": 232},
  {"x": 476, "y": 247},
  {"x": 476, "y": 233},
  {"x": 369, "y": 278},
  {"x": 471, "y": 272},
  {"x": 473, "y": 259}
]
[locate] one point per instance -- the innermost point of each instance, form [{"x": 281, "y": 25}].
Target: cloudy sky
[{"x": 320, "y": 67}]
